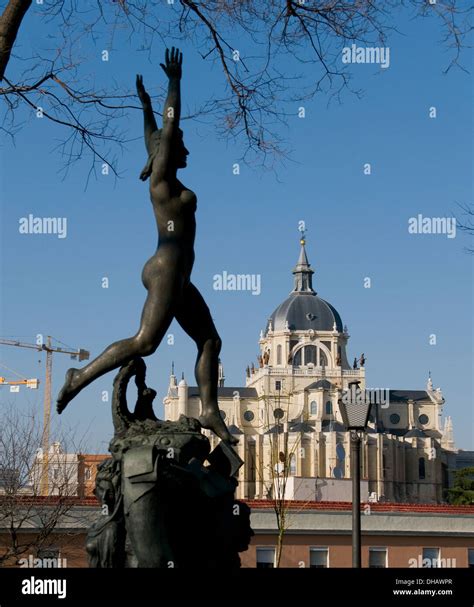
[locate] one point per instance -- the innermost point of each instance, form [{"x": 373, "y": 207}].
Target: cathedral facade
[{"x": 288, "y": 421}]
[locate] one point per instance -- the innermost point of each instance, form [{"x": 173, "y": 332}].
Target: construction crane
[
  {"x": 29, "y": 383},
  {"x": 49, "y": 349},
  {"x": 15, "y": 384}
]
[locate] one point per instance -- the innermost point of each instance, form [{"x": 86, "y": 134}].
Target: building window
[
  {"x": 470, "y": 557},
  {"x": 421, "y": 468},
  {"x": 297, "y": 358},
  {"x": 265, "y": 558},
  {"x": 310, "y": 355},
  {"x": 55, "y": 474},
  {"x": 323, "y": 361},
  {"x": 88, "y": 474},
  {"x": 378, "y": 558},
  {"x": 372, "y": 414},
  {"x": 248, "y": 416},
  {"x": 292, "y": 464},
  {"x": 341, "y": 456},
  {"x": 318, "y": 558},
  {"x": 279, "y": 355},
  {"x": 430, "y": 557},
  {"x": 314, "y": 407},
  {"x": 394, "y": 419},
  {"x": 278, "y": 413},
  {"x": 423, "y": 419},
  {"x": 329, "y": 408},
  {"x": 223, "y": 414}
]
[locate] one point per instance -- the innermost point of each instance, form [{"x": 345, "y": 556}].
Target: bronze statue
[{"x": 166, "y": 275}]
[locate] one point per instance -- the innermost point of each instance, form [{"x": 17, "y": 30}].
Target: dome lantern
[{"x": 303, "y": 272}]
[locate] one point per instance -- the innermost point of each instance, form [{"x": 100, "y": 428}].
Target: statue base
[{"x": 167, "y": 501}]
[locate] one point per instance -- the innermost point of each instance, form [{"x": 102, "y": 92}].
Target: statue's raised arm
[
  {"x": 161, "y": 160},
  {"x": 151, "y": 128}
]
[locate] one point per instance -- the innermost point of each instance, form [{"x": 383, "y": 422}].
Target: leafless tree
[
  {"x": 272, "y": 55},
  {"x": 466, "y": 224},
  {"x": 277, "y": 463},
  {"x": 29, "y": 519}
]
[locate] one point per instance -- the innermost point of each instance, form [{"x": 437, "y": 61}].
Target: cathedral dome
[
  {"x": 303, "y": 312},
  {"x": 303, "y": 309}
]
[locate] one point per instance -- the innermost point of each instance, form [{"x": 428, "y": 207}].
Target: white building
[
  {"x": 289, "y": 423},
  {"x": 63, "y": 471}
]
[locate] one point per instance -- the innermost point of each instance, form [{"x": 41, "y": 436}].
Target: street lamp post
[
  {"x": 355, "y": 408},
  {"x": 355, "y": 475}
]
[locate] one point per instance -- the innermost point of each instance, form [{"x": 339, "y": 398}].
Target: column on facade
[
  {"x": 313, "y": 455},
  {"x": 401, "y": 469},
  {"x": 331, "y": 458},
  {"x": 182, "y": 398},
  {"x": 260, "y": 465},
  {"x": 322, "y": 455},
  {"x": 379, "y": 469}
]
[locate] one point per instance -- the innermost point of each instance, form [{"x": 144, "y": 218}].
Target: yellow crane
[
  {"x": 29, "y": 383},
  {"x": 15, "y": 384},
  {"x": 49, "y": 349}
]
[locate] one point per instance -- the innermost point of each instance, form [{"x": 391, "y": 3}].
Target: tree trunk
[
  {"x": 280, "y": 539},
  {"x": 10, "y": 22},
  {"x": 281, "y": 524}
]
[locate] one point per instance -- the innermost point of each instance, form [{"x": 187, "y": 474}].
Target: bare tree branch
[{"x": 272, "y": 54}]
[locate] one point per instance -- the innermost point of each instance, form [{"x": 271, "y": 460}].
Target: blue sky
[{"x": 357, "y": 227}]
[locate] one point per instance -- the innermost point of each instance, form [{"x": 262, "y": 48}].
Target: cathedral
[{"x": 288, "y": 421}]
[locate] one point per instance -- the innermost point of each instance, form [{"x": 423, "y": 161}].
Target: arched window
[
  {"x": 329, "y": 407},
  {"x": 323, "y": 361},
  {"x": 421, "y": 468},
  {"x": 297, "y": 358},
  {"x": 310, "y": 355},
  {"x": 314, "y": 407},
  {"x": 279, "y": 355}
]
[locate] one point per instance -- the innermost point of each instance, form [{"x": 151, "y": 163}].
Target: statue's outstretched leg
[
  {"x": 156, "y": 318},
  {"x": 195, "y": 318}
]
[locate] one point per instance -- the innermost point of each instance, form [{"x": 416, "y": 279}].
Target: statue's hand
[
  {"x": 142, "y": 94},
  {"x": 173, "y": 63}
]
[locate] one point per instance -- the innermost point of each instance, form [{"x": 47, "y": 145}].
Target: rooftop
[{"x": 446, "y": 509}]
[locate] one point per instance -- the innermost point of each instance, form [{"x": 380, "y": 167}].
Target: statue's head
[{"x": 179, "y": 153}]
